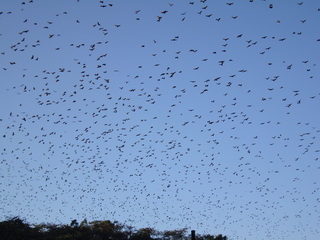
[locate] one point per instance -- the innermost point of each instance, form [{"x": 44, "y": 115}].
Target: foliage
[{"x": 18, "y": 229}]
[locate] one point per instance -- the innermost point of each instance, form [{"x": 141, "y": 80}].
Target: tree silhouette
[
  {"x": 18, "y": 229},
  {"x": 15, "y": 229},
  {"x": 175, "y": 234}
]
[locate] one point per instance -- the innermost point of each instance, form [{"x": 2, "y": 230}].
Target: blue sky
[{"x": 175, "y": 114}]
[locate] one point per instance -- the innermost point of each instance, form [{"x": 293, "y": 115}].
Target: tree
[
  {"x": 85, "y": 231},
  {"x": 220, "y": 237},
  {"x": 15, "y": 229},
  {"x": 102, "y": 229},
  {"x": 175, "y": 234},
  {"x": 143, "y": 234},
  {"x": 18, "y": 229},
  {"x": 74, "y": 225}
]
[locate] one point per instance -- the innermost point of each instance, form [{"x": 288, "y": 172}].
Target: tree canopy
[{"x": 18, "y": 229}]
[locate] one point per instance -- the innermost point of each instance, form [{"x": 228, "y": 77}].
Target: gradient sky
[{"x": 200, "y": 114}]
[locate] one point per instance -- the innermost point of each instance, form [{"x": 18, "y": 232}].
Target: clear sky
[{"x": 201, "y": 114}]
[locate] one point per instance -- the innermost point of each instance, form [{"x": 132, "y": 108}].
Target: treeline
[{"x": 18, "y": 229}]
